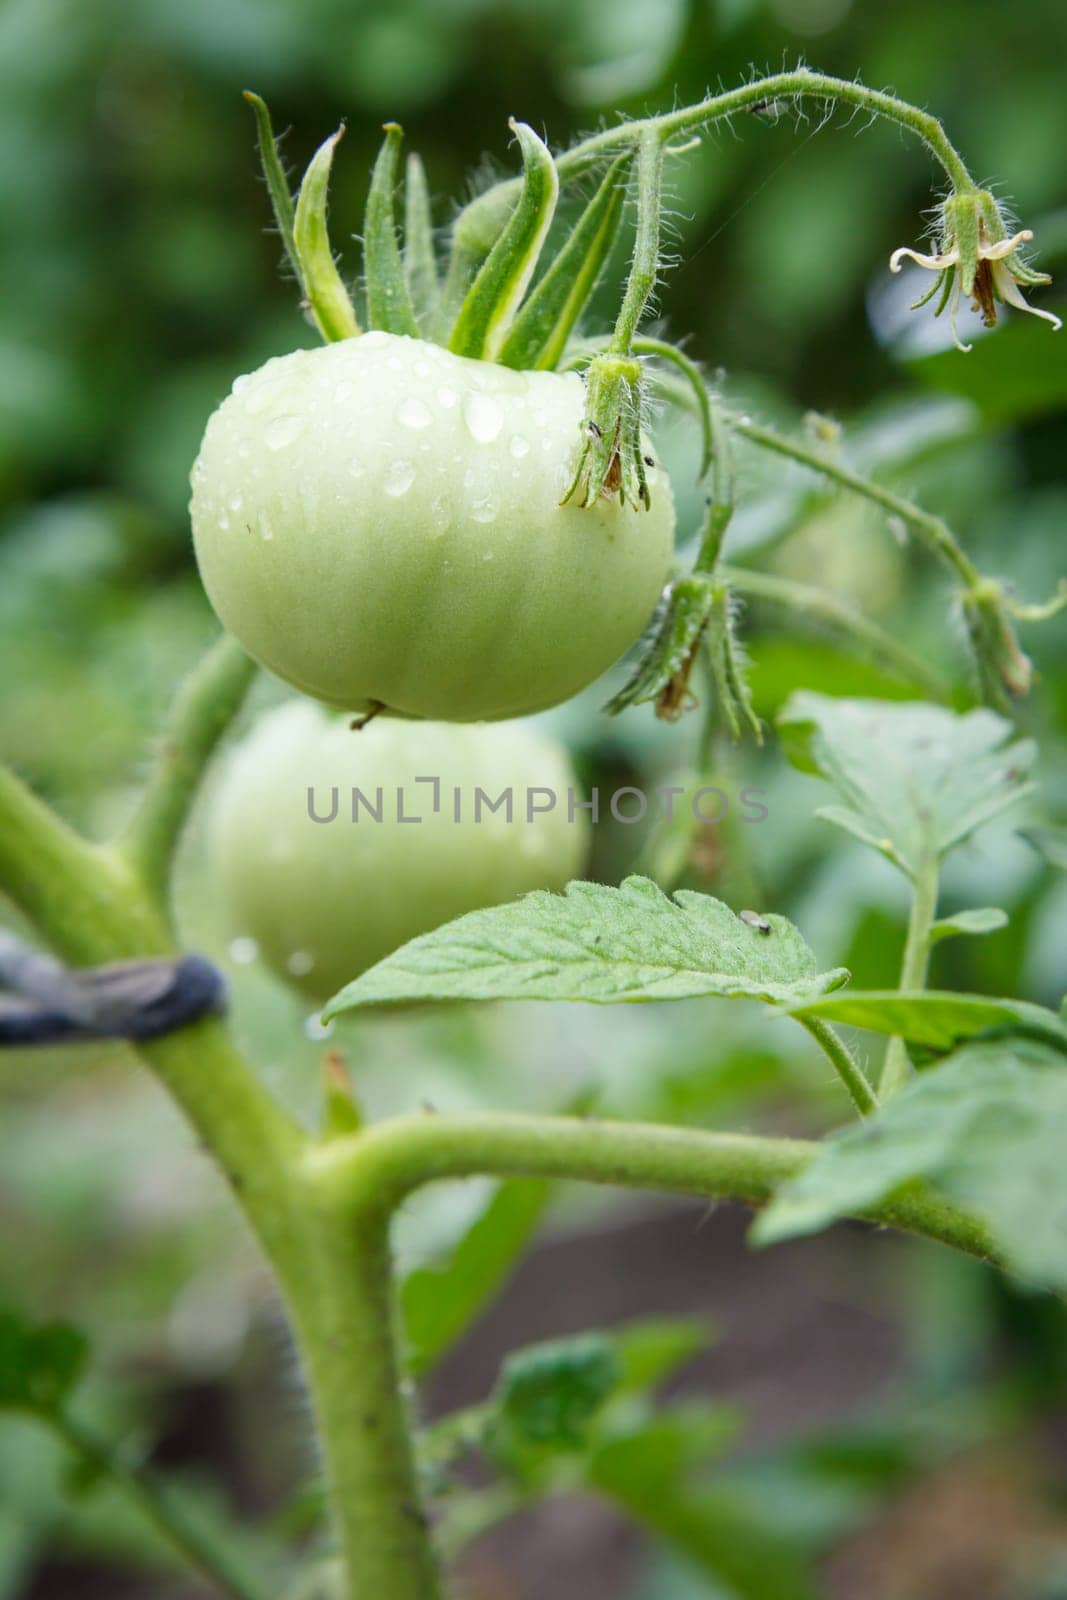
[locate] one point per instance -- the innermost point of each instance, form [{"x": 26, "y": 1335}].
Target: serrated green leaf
[
  {"x": 936, "y": 1019},
  {"x": 982, "y": 919},
  {"x": 916, "y": 779},
  {"x": 39, "y": 1365},
  {"x": 547, "y": 1394},
  {"x": 439, "y": 1302},
  {"x": 986, "y": 1128},
  {"x": 600, "y": 945}
]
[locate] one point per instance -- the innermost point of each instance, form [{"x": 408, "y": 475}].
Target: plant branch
[
  {"x": 645, "y": 264},
  {"x": 897, "y": 1067},
  {"x": 373, "y": 1172},
  {"x": 844, "y": 1064},
  {"x": 798, "y": 84},
  {"x": 201, "y": 714},
  {"x": 930, "y": 529},
  {"x": 163, "y": 1509},
  {"x": 804, "y": 600}
]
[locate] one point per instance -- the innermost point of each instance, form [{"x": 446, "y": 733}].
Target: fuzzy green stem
[
  {"x": 844, "y": 1064},
  {"x": 645, "y": 264},
  {"x": 372, "y": 1173},
  {"x": 930, "y": 529},
  {"x": 818, "y": 606},
  {"x": 202, "y": 712},
  {"x": 798, "y": 84},
  {"x": 897, "y": 1067},
  {"x": 161, "y": 1507}
]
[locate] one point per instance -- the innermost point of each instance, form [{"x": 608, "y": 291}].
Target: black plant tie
[{"x": 43, "y": 1002}]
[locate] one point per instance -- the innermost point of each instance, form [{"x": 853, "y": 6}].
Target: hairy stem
[
  {"x": 896, "y": 1067},
  {"x": 645, "y": 264},
  {"x": 373, "y": 1172},
  {"x": 201, "y": 714},
  {"x": 798, "y": 84},
  {"x": 844, "y": 1064},
  {"x": 930, "y": 529},
  {"x": 820, "y": 608}
]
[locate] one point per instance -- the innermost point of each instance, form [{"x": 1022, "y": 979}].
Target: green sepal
[
  {"x": 420, "y": 259},
  {"x": 540, "y": 332},
  {"x": 326, "y": 295},
  {"x": 668, "y": 650},
  {"x": 1005, "y": 671},
  {"x": 281, "y": 199},
  {"x": 611, "y": 460},
  {"x": 963, "y": 223},
  {"x": 389, "y": 304},
  {"x": 727, "y": 669},
  {"x": 494, "y": 297},
  {"x": 341, "y": 1114}
]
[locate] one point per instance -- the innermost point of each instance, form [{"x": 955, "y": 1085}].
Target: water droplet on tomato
[
  {"x": 414, "y": 413},
  {"x": 342, "y": 392},
  {"x": 375, "y": 340},
  {"x": 356, "y": 468},
  {"x": 448, "y": 397},
  {"x": 283, "y": 431},
  {"x": 484, "y": 509},
  {"x": 519, "y": 446},
  {"x": 399, "y": 478},
  {"x": 482, "y": 416}
]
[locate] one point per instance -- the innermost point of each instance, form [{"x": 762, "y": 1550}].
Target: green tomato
[
  {"x": 325, "y": 899},
  {"x": 378, "y": 521}
]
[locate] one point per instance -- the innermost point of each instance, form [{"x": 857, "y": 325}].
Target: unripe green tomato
[
  {"x": 378, "y": 521},
  {"x": 323, "y": 900}
]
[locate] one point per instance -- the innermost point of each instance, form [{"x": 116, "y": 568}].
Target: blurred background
[{"x": 900, "y": 1429}]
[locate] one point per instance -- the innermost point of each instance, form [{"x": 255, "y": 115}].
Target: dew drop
[
  {"x": 482, "y": 416},
  {"x": 414, "y": 413},
  {"x": 283, "y": 431},
  {"x": 394, "y": 363},
  {"x": 300, "y": 963},
  {"x": 241, "y": 383},
  {"x": 399, "y": 478},
  {"x": 448, "y": 397},
  {"x": 421, "y": 369},
  {"x": 356, "y": 468},
  {"x": 224, "y": 520},
  {"x": 342, "y": 392},
  {"x": 377, "y": 339},
  {"x": 243, "y": 951},
  {"x": 484, "y": 509},
  {"x": 440, "y": 514},
  {"x": 266, "y": 532},
  {"x": 236, "y": 502},
  {"x": 519, "y": 446}
]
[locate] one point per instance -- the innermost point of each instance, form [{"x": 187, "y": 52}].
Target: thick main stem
[
  {"x": 897, "y": 1067},
  {"x": 346, "y": 1325}
]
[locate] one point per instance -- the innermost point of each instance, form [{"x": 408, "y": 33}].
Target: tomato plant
[
  {"x": 454, "y": 510},
  {"x": 331, "y": 848}
]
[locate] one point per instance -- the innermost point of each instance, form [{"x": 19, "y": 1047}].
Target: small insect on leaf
[{"x": 753, "y": 920}]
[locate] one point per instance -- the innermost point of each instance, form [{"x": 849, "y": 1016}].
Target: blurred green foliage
[{"x": 137, "y": 277}]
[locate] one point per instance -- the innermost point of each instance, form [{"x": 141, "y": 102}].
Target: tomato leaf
[
  {"x": 600, "y": 945},
  {"x": 981, "y": 919},
  {"x": 439, "y": 1302},
  {"x": 389, "y": 303},
  {"x": 986, "y": 1127},
  {"x": 935, "y": 1019},
  {"x": 39, "y": 1365},
  {"x": 916, "y": 779}
]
